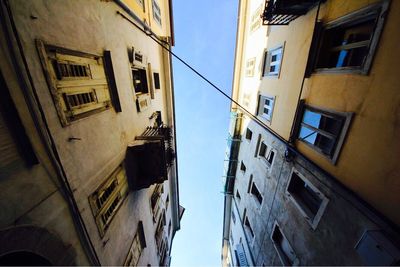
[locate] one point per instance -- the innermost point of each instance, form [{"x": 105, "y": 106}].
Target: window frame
[
  {"x": 156, "y": 12},
  {"x": 254, "y": 194},
  {"x": 103, "y": 92},
  {"x": 261, "y": 107},
  {"x": 267, "y": 57},
  {"x": 249, "y": 134},
  {"x": 281, "y": 253},
  {"x": 138, "y": 239},
  {"x": 121, "y": 191},
  {"x": 381, "y": 9},
  {"x": 301, "y": 206},
  {"x": 347, "y": 119}
]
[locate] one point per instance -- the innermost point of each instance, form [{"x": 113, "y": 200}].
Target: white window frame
[
  {"x": 156, "y": 12},
  {"x": 268, "y": 54},
  {"x": 317, "y": 217},
  {"x": 262, "y": 106}
]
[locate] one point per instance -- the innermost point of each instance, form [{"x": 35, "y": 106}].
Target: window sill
[{"x": 344, "y": 70}]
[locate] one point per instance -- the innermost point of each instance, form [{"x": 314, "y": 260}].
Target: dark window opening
[
  {"x": 140, "y": 81},
  {"x": 248, "y": 227},
  {"x": 285, "y": 251},
  {"x": 238, "y": 195},
  {"x": 307, "y": 198},
  {"x": 156, "y": 77},
  {"x": 270, "y": 158},
  {"x": 346, "y": 45},
  {"x": 242, "y": 167},
  {"x": 249, "y": 134},
  {"x": 256, "y": 193},
  {"x": 263, "y": 149}
]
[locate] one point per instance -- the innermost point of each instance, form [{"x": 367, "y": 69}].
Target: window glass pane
[
  {"x": 312, "y": 118},
  {"x": 307, "y": 135}
]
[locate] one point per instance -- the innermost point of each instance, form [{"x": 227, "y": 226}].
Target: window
[
  {"x": 307, "y": 198},
  {"x": 283, "y": 247},
  {"x": 169, "y": 227},
  {"x": 233, "y": 217},
  {"x": 138, "y": 244},
  {"x": 324, "y": 131},
  {"x": 249, "y": 134},
  {"x": 156, "y": 78},
  {"x": 167, "y": 203},
  {"x": 156, "y": 12},
  {"x": 238, "y": 195},
  {"x": 250, "y": 183},
  {"x": 272, "y": 62},
  {"x": 256, "y": 193},
  {"x": 349, "y": 43},
  {"x": 263, "y": 150},
  {"x": 256, "y": 19},
  {"x": 155, "y": 201},
  {"x": 141, "y": 3},
  {"x": 140, "y": 81},
  {"x": 106, "y": 200},
  {"x": 270, "y": 157},
  {"x": 266, "y": 107},
  {"x": 250, "y": 65},
  {"x": 78, "y": 82},
  {"x": 242, "y": 167},
  {"x": 249, "y": 230}
]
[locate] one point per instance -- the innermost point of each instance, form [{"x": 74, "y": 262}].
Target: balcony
[
  {"x": 148, "y": 157},
  {"x": 282, "y": 12}
]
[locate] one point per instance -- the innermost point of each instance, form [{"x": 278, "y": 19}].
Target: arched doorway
[
  {"x": 23, "y": 258},
  {"x": 32, "y": 245}
]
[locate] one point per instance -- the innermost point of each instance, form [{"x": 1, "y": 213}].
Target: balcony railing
[
  {"x": 148, "y": 157},
  {"x": 282, "y": 12}
]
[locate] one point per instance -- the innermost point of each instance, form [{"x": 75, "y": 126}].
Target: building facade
[
  {"x": 311, "y": 173},
  {"x": 87, "y": 133}
]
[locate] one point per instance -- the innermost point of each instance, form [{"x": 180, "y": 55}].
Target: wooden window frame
[
  {"x": 377, "y": 11},
  {"x": 345, "y": 116},
  {"x": 138, "y": 243},
  {"x": 119, "y": 192},
  {"x": 62, "y": 86}
]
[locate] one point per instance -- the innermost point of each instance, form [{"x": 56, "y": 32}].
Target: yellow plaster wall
[
  {"x": 369, "y": 160},
  {"x": 296, "y": 39}
]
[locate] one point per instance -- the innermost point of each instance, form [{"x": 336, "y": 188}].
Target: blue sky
[{"x": 205, "y": 33}]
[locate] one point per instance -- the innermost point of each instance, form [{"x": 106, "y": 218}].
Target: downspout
[{"x": 44, "y": 131}]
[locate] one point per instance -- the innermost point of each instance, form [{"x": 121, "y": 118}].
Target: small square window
[
  {"x": 266, "y": 107},
  {"x": 307, "y": 198},
  {"x": 140, "y": 81},
  {"x": 283, "y": 248},
  {"x": 324, "y": 131},
  {"x": 249, "y": 134},
  {"x": 272, "y": 62},
  {"x": 349, "y": 42}
]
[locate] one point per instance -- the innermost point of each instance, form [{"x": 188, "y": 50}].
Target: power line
[{"x": 368, "y": 214}]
